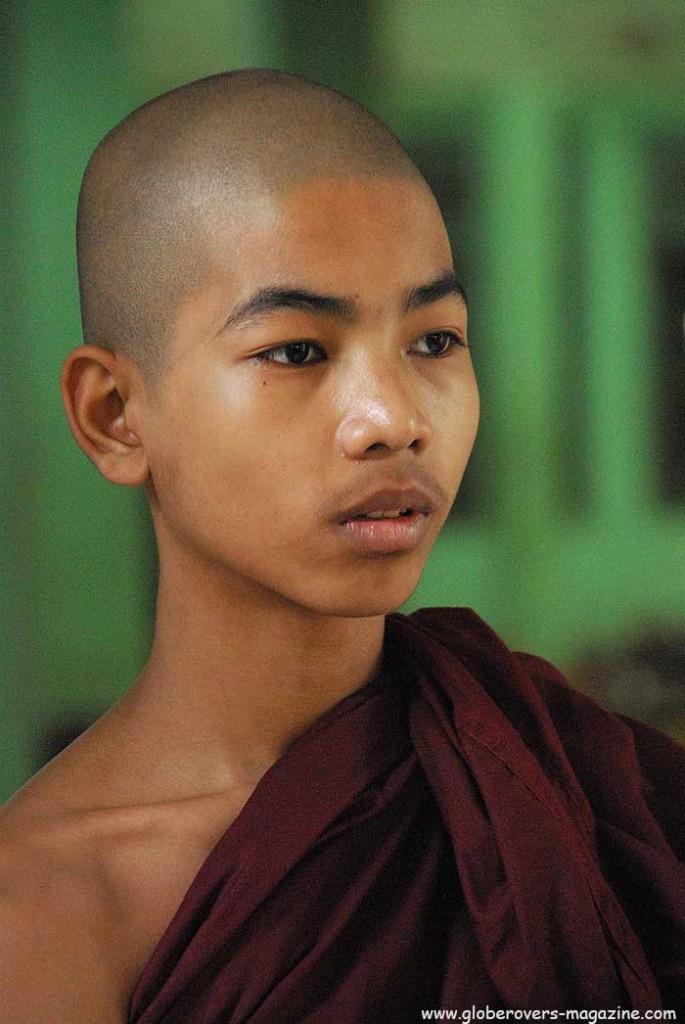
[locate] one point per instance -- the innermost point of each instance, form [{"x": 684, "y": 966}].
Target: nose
[{"x": 382, "y": 414}]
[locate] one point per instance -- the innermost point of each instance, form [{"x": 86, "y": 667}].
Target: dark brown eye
[
  {"x": 294, "y": 353},
  {"x": 297, "y": 351},
  {"x": 437, "y": 343}
]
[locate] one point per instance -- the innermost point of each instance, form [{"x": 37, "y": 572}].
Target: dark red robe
[{"x": 465, "y": 831}]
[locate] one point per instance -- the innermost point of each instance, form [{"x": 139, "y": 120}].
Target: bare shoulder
[
  {"x": 89, "y": 881},
  {"x": 51, "y": 929}
]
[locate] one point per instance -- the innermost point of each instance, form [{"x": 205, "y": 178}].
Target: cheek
[
  {"x": 455, "y": 415},
  {"x": 471, "y": 414},
  {"x": 225, "y": 448}
]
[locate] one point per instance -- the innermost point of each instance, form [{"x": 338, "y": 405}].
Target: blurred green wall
[{"x": 548, "y": 114}]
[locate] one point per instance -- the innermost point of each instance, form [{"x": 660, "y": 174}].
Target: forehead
[{"x": 343, "y": 232}]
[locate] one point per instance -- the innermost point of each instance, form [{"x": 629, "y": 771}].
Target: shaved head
[{"x": 160, "y": 180}]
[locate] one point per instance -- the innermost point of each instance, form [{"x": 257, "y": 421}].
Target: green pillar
[
  {"x": 519, "y": 283},
  {"x": 620, "y": 354},
  {"x": 15, "y": 495}
]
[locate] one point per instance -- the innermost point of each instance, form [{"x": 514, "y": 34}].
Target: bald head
[{"x": 160, "y": 178}]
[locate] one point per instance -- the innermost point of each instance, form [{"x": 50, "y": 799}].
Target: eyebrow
[
  {"x": 440, "y": 288},
  {"x": 271, "y": 299}
]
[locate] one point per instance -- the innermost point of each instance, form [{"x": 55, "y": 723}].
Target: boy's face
[{"x": 273, "y": 432}]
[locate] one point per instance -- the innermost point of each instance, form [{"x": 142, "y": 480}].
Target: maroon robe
[{"x": 463, "y": 831}]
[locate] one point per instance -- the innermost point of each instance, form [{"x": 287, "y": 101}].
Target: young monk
[{"x": 307, "y": 810}]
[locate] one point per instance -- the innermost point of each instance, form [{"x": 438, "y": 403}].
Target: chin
[{"x": 381, "y": 595}]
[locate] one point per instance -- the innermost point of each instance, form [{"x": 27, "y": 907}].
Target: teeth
[{"x": 388, "y": 514}]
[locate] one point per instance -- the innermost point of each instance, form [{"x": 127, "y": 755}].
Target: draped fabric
[{"x": 463, "y": 831}]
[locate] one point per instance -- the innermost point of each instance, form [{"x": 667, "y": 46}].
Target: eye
[
  {"x": 295, "y": 353},
  {"x": 437, "y": 343}
]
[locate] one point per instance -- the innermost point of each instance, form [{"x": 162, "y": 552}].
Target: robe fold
[{"x": 465, "y": 830}]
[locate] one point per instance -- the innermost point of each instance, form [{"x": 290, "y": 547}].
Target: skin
[{"x": 267, "y": 613}]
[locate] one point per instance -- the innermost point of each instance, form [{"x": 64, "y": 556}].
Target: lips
[
  {"x": 390, "y": 520},
  {"x": 390, "y": 503}
]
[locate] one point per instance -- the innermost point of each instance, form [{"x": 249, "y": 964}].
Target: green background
[{"x": 544, "y": 126}]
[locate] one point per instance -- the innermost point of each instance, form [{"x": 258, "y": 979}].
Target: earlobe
[{"x": 98, "y": 389}]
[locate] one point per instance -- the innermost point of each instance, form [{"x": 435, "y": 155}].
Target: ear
[{"x": 102, "y": 393}]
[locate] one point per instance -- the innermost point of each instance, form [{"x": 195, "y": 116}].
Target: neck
[{"x": 233, "y": 678}]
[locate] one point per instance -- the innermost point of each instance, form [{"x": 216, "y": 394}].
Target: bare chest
[
  {"x": 146, "y": 877},
  {"x": 90, "y": 905}
]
